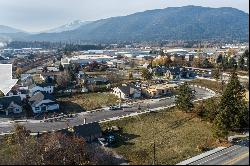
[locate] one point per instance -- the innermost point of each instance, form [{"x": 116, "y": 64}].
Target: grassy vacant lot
[
  {"x": 213, "y": 85},
  {"x": 178, "y": 136},
  {"x": 86, "y": 102}
]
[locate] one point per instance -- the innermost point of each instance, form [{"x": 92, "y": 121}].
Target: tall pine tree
[
  {"x": 233, "y": 113},
  {"x": 184, "y": 98}
]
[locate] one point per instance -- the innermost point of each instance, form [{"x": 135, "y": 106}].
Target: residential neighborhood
[{"x": 124, "y": 83}]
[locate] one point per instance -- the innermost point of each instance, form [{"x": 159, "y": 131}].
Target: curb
[
  {"x": 219, "y": 149},
  {"x": 199, "y": 157}
]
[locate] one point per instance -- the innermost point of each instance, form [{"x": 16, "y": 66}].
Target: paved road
[
  {"x": 100, "y": 115},
  {"x": 234, "y": 155}
]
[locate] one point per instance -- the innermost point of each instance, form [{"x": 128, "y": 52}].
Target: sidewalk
[{"x": 200, "y": 156}]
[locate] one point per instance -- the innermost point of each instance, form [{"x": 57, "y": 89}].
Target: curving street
[{"x": 103, "y": 114}]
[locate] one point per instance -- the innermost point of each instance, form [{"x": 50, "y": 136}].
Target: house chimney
[{"x": 84, "y": 121}]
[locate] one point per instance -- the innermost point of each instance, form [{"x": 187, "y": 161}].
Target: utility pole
[
  {"x": 154, "y": 145},
  {"x": 154, "y": 161},
  {"x": 120, "y": 99}
]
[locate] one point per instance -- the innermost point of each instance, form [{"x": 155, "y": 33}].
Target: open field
[
  {"x": 85, "y": 102},
  {"x": 178, "y": 136},
  {"x": 213, "y": 85}
]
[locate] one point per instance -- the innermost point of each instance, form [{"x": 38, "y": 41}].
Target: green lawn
[
  {"x": 178, "y": 136},
  {"x": 86, "y": 102}
]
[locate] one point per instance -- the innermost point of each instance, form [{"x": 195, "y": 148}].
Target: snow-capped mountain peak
[{"x": 67, "y": 27}]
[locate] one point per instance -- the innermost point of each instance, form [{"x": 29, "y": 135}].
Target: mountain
[
  {"x": 173, "y": 23},
  {"x": 68, "y": 27},
  {"x": 8, "y": 33},
  {"x": 7, "y": 29}
]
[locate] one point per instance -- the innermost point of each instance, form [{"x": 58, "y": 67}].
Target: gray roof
[
  {"x": 45, "y": 84},
  {"x": 97, "y": 79},
  {"x": 41, "y": 85},
  {"x": 126, "y": 89},
  {"x": 85, "y": 130},
  {"x": 6, "y": 101},
  {"x": 25, "y": 76},
  {"x": 40, "y": 96}
]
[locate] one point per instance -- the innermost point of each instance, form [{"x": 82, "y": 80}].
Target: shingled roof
[
  {"x": 40, "y": 96},
  {"x": 6, "y": 101},
  {"x": 85, "y": 130}
]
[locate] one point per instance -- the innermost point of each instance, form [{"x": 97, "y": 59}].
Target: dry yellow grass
[
  {"x": 178, "y": 136},
  {"x": 87, "y": 102}
]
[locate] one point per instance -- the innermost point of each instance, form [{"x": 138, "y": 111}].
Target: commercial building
[{"x": 86, "y": 59}]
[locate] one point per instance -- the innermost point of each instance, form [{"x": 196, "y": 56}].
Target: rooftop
[{"x": 162, "y": 86}]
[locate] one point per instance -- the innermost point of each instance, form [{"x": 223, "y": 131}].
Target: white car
[{"x": 102, "y": 141}]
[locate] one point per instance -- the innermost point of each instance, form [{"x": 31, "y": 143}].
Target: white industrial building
[{"x": 86, "y": 59}]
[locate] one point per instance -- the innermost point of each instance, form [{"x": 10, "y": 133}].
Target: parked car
[{"x": 113, "y": 108}]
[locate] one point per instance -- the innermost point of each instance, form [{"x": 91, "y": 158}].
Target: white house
[
  {"x": 43, "y": 102},
  {"x": 12, "y": 104},
  {"x": 127, "y": 91},
  {"x": 45, "y": 87}
]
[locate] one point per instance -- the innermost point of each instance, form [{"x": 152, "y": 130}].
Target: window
[
  {"x": 1, "y": 107},
  {"x": 37, "y": 108}
]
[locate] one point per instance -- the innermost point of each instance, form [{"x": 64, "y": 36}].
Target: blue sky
[{"x": 39, "y": 15}]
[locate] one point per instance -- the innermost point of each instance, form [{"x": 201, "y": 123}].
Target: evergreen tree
[
  {"x": 224, "y": 64},
  {"x": 73, "y": 70},
  {"x": 27, "y": 108},
  {"x": 247, "y": 64},
  {"x": 246, "y": 53},
  {"x": 216, "y": 74},
  {"x": 219, "y": 59},
  {"x": 232, "y": 64},
  {"x": 241, "y": 63},
  {"x": 206, "y": 64},
  {"x": 61, "y": 68},
  {"x": 232, "y": 113},
  {"x": 130, "y": 75},
  {"x": 184, "y": 98},
  {"x": 162, "y": 53}
]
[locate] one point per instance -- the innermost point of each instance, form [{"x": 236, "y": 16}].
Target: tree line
[
  {"x": 227, "y": 113},
  {"x": 21, "y": 148}
]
